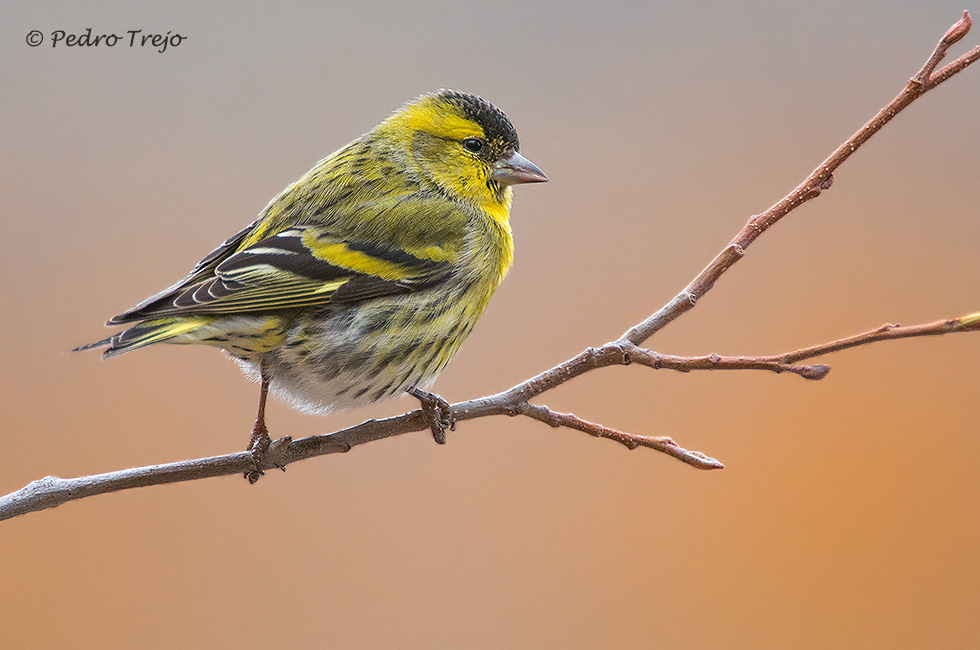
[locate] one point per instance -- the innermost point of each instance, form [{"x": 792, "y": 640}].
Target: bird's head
[{"x": 465, "y": 145}]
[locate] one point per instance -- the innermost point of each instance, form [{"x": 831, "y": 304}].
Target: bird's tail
[{"x": 142, "y": 334}]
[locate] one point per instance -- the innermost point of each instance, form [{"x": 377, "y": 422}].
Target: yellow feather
[
  {"x": 338, "y": 254},
  {"x": 422, "y": 116}
]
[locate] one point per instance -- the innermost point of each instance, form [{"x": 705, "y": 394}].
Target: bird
[{"x": 360, "y": 281}]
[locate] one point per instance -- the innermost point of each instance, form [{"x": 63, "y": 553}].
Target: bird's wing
[
  {"x": 207, "y": 265},
  {"x": 298, "y": 267},
  {"x": 203, "y": 269}
]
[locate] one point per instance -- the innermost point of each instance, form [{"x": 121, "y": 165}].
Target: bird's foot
[
  {"x": 437, "y": 413},
  {"x": 265, "y": 450}
]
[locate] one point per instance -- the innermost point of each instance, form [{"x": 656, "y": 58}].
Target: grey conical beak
[{"x": 513, "y": 169}]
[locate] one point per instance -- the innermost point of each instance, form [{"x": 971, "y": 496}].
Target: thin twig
[
  {"x": 631, "y": 441},
  {"x": 887, "y": 332},
  {"x": 954, "y": 34},
  {"x": 785, "y": 362},
  {"x": 659, "y": 361},
  {"x": 820, "y": 179}
]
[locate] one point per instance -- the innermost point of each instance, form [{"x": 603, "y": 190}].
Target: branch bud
[
  {"x": 815, "y": 372},
  {"x": 971, "y": 322},
  {"x": 959, "y": 30}
]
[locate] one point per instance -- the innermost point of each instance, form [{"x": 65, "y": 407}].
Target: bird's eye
[{"x": 473, "y": 144}]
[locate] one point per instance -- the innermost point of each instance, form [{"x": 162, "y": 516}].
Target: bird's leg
[
  {"x": 260, "y": 434},
  {"x": 437, "y": 413},
  {"x": 261, "y": 443}
]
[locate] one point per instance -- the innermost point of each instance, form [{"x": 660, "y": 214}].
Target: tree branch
[
  {"x": 784, "y": 362},
  {"x": 660, "y": 443},
  {"x": 52, "y": 491},
  {"x": 820, "y": 179}
]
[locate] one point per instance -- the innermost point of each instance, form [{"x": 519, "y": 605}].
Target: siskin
[{"x": 361, "y": 280}]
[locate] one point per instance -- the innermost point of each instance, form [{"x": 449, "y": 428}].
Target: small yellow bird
[{"x": 361, "y": 279}]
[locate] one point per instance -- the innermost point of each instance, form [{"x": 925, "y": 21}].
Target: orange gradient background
[{"x": 848, "y": 515}]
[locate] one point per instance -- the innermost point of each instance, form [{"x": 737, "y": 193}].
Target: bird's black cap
[{"x": 496, "y": 125}]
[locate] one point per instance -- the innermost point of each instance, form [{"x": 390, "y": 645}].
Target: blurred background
[{"x": 847, "y": 515}]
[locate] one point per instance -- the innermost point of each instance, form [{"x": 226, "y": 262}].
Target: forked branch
[{"x": 819, "y": 180}]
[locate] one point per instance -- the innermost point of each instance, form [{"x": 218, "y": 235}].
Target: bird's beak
[{"x": 513, "y": 169}]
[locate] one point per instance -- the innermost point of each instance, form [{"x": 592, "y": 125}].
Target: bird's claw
[
  {"x": 437, "y": 412},
  {"x": 264, "y": 450}
]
